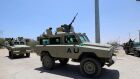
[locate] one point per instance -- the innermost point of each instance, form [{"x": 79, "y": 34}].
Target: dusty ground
[{"x": 125, "y": 67}]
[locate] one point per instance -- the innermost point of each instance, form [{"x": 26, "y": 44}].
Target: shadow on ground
[
  {"x": 73, "y": 71},
  {"x": 17, "y": 57}
]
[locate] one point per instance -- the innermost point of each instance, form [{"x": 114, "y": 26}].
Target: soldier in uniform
[
  {"x": 67, "y": 28},
  {"x": 49, "y": 31},
  {"x": 60, "y": 29}
]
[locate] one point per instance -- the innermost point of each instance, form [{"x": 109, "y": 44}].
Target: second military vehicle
[
  {"x": 66, "y": 44},
  {"x": 132, "y": 47},
  {"x": 18, "y": 47}
]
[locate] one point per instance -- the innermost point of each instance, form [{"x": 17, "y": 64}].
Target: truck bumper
[{"x": 21, "y": 52}]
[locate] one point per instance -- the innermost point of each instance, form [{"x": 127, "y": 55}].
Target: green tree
[
  {"x": 32, "y": 43},
  {"x": 1, "y": 42}
]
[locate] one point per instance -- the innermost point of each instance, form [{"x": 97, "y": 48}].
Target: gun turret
[{"x": 69, "y": 28}]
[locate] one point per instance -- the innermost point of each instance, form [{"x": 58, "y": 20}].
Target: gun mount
[{"x": 69, "y": 28}]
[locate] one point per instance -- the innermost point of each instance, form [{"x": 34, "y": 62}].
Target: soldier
[
  {"x": 60, "y": 29},
  {"x": 67, "y": 28},
  {"x": 11, "y": 42},
  {"x": 49, "y": 31},
  {"x": 131, "y": 43}
]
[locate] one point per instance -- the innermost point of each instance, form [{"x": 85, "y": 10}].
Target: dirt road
[{"x": 125, "y": 67}]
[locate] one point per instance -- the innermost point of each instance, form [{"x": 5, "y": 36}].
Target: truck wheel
[
  {"x": 22, "y": 55},
  {"x": 27, "y": 54},
  {"x": 127, "y": 52},
  {"x": 90, "y": 67},
  {"x": 12, "y": 55},
  {"x": 102, "y": 64},
  {"x": 48, "y": 62},
  {"x": 136, "y": 53},
  {"x": 63, "y": 61}
]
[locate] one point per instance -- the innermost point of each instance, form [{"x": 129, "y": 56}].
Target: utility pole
[
  {"x": 139, "y": 30},
  {"x": 139, "y": 35},
  {"x": 97, "y": 22}
]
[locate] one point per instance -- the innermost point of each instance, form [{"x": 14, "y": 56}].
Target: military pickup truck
[
  {"x": 18, "y": 47},
  {"x": 63, "y": 46},
  {"x": 132, "y": 47},
  {"x": 66, "y": 44}
]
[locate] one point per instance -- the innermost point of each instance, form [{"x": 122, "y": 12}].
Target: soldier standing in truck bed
[{"x": 49, "y": 31}]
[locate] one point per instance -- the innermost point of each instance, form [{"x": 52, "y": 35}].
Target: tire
[
  {"x": 21, "y": 55},
  {"x": 12, "y": 55},
  {"x": 63, "y": 61},
  {"x": 127, "y": 52},
  {"x": 27, "y": 54},
  {"x": 48, "y": 62},
  {"x": 90, "y": 67},
  {"x": 136, "y": 53},
  {"x": 102, "y": 64}
]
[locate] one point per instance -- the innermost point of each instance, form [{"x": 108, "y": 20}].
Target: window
[
  {"x": 16, "y": 43},
  {"x": 21, "y": 43},
  {"x": 84, "y": 38},
  {"x": 45, "y": 41},
  {"x": 136, "y": 44},
  {"x": 55, "y": 40},
  {"x": 70, "y": 39}
]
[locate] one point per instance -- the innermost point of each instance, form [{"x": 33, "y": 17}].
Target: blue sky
[{"x": 29, "y": 18}]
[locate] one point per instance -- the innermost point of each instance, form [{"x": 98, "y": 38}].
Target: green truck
[
  {"x": 132, "y": 47},
  {"x": 66, "y": 44},
  {"x": 18, "y": 47}
]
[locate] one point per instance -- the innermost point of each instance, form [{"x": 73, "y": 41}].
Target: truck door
[{"x": 71, "y": 48}]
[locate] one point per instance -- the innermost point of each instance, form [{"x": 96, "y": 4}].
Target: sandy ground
[{"x": 125, "y": 67}]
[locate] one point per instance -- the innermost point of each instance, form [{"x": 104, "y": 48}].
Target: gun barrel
[{"x": 73, "y": 19}]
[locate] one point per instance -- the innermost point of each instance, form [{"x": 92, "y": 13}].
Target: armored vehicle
[
  {"x": 132, "y": 47},
  {"x": 18, "y": 47},
  {"x": 66, "y": 44}
]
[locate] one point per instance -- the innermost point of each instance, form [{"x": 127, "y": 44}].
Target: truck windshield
[
  {"x": 22, "y": 43},
  {"x": 83, "y": 38},
  {"x": 136, "y": 44},
  {"x": 16, "y": 43}
]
